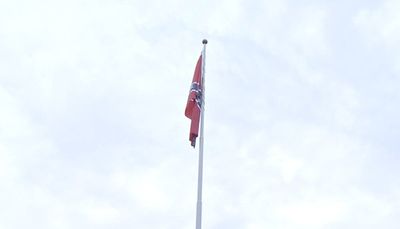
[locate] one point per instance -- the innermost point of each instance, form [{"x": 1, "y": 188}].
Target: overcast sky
[{"x": 302, "y": 114}]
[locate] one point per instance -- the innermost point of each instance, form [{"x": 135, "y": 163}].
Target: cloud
[
  {"x": 301, "y": 129},
  {"x": 314, "y": 215},
  {"x": 380, "y": 23}
]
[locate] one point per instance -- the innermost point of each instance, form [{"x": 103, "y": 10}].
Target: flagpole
[{"x": 201, "y": 144}]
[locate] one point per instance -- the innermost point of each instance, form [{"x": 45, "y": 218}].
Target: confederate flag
[{"x": 193, "y": 106}]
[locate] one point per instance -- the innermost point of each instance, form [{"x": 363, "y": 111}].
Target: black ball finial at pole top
[{"x": 205, "y": 41}]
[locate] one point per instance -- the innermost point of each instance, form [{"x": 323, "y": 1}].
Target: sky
[{"x": 301, "y": 122}]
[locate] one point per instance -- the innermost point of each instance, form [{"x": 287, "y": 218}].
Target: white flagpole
[{"x": 200, "y": 175}]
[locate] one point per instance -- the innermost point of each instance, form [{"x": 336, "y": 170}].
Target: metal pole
[{"x": 200, "y": 175}]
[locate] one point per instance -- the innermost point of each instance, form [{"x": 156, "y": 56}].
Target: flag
[{"x": 194, "y": 102}]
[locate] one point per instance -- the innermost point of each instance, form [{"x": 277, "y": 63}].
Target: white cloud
[
  {"x": 380, "y": 27},
  {"x": 299, "y": 131},
  {"x": 382, "y": 24},
  {"x": 312, "y": 214},
  {"x": 289, "y": 166},
  {"x": 98, "y": 214},
  {"x": 148, "y": 193}
]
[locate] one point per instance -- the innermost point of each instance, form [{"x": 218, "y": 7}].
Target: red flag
[{"x": 193, "y": 106}]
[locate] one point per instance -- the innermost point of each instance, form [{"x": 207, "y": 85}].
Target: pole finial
[{"x": 205, "y": 41}]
